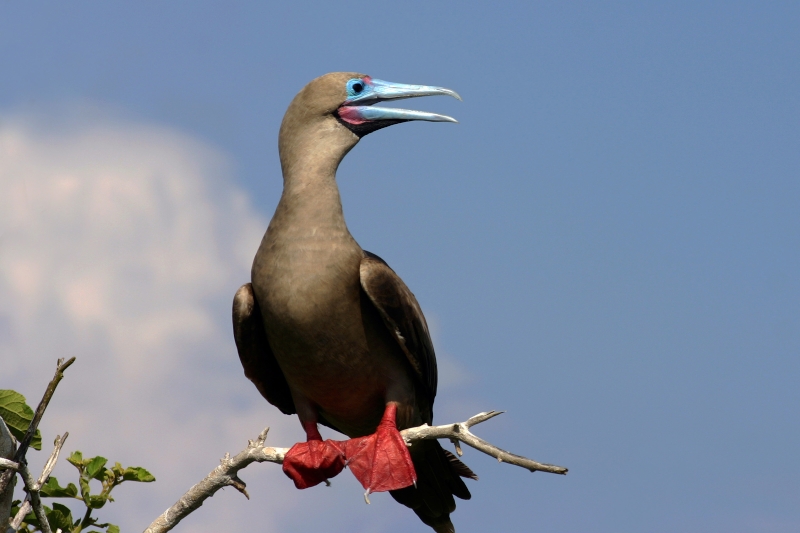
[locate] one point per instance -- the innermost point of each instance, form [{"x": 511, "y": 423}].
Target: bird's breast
[
  {"x": 307, "y": 284},
  {"x": 303, "y": 277},
  {"x": 326, "y": 336}
]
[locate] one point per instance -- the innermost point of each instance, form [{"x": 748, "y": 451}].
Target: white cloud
[{"x": 122, "y": 244}]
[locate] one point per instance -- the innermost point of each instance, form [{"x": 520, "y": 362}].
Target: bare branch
[
  {"x": 33, "y": 488},
  {"x": 5, "y": 477},
  {"x": 24, "y": 509},
  {"x": 226, "y": 473},
  {"x": 222, "y": 476},
  {"x": 36, "y": 502},
  {"x": 51, "y": 462},
  {"x": 461, "y": 432},
  {"x": 8, "y": 464}
]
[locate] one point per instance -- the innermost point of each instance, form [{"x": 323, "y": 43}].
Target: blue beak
[{"x": 373, "y": 91}]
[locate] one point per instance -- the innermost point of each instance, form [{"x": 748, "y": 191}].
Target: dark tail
[{"x": 439, "y": 475}]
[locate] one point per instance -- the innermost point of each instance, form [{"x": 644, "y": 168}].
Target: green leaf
[
  {"x": 112, "y": 528},
  {"x": 53, "y": 490},
  {"x": 18, "y": 416},
  {"x": 94, "y": 468},
  {"x": 15, "y": 506},
  {"x": 95, "y": 502},
  {"x": 137, "y": 473},
  {"x": 76, "y": 459},
  {"x": 118, "y": 470},
  {"x": 86, "y": 491},
  {"x": 60, "y": 517},
  {"x": 31, "y": 519}
]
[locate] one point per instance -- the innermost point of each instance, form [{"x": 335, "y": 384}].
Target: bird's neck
[
  {"x": 310, "y": 157},
  {"x": 307, "y": 256}
]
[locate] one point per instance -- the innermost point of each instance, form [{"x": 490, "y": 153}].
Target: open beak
[{"x": 356, "y": 110}]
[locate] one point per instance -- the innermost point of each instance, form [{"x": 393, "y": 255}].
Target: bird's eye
[{"x": 355, "y": 87}]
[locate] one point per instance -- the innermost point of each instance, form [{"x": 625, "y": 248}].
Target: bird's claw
[
  {"x": 313, "y": 462},
  {"x": 381, "y": 461}
]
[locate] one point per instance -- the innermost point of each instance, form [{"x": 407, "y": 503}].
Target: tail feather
[
  {"x": 460, "y": 468},
  {"x": 438, "y": 480}
]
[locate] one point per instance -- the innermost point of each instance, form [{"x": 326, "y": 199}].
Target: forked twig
[
  {"x": 19, "y": 456},
  {"x": 460, "y": 432}
]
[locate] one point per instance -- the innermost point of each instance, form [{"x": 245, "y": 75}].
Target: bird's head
[{"x": 340, "y": 104}]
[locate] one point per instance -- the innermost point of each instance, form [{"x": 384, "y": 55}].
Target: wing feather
[
  {"x": 403, "y": 317},
  {"x": 258, "y": 361}
]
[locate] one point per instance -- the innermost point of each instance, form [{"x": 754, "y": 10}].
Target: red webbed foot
[
  {"x": 312, "y": 462},
  {"x": 381, "y": 461}
]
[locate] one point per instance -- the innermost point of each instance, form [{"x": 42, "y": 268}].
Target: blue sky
[{"x": 606, "y": 245}]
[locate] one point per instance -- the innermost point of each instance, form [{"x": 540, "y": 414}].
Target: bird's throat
[
  {"x": 313, "y": 152},
  {"x": 308, "y": 262},
  {"x": 310, "y": 208}
]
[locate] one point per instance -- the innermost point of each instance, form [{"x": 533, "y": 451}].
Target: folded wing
[{"x": 260, "y": 365}]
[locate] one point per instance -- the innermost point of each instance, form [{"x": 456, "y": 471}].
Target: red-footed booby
[{"x": 330, "y": 332}]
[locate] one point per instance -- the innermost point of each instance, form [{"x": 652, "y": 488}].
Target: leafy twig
[
  {"x": 89, "y": 469},
  {"x": 7, "y": 475}
]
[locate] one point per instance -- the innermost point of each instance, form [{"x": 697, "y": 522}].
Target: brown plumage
[{"x": 327, "y": 330}]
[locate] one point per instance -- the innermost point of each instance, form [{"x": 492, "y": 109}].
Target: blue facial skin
[{"x": 355, "y": 87}]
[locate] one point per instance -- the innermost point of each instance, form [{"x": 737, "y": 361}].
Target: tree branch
[
  {"x": 51, "y": 462},
  {"x": 222, "y": 476},
  {"x": 36, "y": 502},
  {"x": 461, "y": 432},
  {"x": 8, "y": 446},
  {"x": 25, "y": 508},
  {"x": 34, "y": 486},
  {"x": 5, "y": 477},
  {"x": 226, "y": 473},
  {"x": 8, "y": 464}
]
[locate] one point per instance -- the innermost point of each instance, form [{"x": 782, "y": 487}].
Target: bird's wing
[
  {"x": 402, "y": 315},
  {"x": 260, "y": 365}
]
